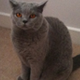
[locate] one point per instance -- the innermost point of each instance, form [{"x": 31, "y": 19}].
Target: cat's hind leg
[{"x": 56, "y": 73}]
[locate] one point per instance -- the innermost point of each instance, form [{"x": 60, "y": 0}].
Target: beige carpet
[{"x": 10, "y": 66}]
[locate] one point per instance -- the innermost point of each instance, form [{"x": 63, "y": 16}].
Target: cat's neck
[{"x": 29, "y": 33}]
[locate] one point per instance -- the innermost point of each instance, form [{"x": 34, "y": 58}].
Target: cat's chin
[
  {"x": 29, "y": 28},
  {"x": 24, "y": 27}
]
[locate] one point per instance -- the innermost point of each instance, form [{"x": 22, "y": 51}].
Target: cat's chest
[
  {"x": 23, "y": 45},
  {"x": 30, "y": 50}
]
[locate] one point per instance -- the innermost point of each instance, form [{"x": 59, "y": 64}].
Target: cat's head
[{"x": 27, "y": 15}]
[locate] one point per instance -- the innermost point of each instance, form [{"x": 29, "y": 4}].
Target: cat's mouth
[{"x": 25, "y": 27}]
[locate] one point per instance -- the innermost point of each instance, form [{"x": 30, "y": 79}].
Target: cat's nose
[{"x": 25, "y": 21}]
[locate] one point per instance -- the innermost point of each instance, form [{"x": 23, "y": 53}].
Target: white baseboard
[
  {"x": 5, "y": 21},
  {"x": 75, "y": 34}
]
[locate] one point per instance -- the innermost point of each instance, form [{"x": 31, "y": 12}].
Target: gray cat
[{"x": 43, "y": 44}]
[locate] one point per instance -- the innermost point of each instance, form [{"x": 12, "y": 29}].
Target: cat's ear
[
  {"x": 13, "y": 3},
  {"x": 41, "y": 6}
]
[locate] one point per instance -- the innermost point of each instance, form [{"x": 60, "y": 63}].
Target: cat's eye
[
  {"x": 18, "y": 14},
  {"x": 32, "y": 16}
]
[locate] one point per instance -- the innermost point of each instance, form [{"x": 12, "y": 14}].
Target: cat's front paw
[{"x": 19, "y": 78}]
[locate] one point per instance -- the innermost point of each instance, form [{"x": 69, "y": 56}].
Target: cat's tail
[{"x": 76, "y": 62}]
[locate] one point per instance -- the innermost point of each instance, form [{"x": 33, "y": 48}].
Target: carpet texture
[{"x": 10, "y": 66}]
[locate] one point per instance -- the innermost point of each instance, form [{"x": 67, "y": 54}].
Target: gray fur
[{"x": 43, "y": 44}]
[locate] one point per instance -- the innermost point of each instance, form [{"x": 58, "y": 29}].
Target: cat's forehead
[{"x": 28, "y": 6}]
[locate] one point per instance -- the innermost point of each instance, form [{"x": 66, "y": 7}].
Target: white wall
[{"x": 66, "y": 10}]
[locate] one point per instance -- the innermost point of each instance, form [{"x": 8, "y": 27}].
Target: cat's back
[
  {"x": 57, "y": 27},
  {"x": 58, "y": 33},
  {"x": 60, "y": 45}
]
